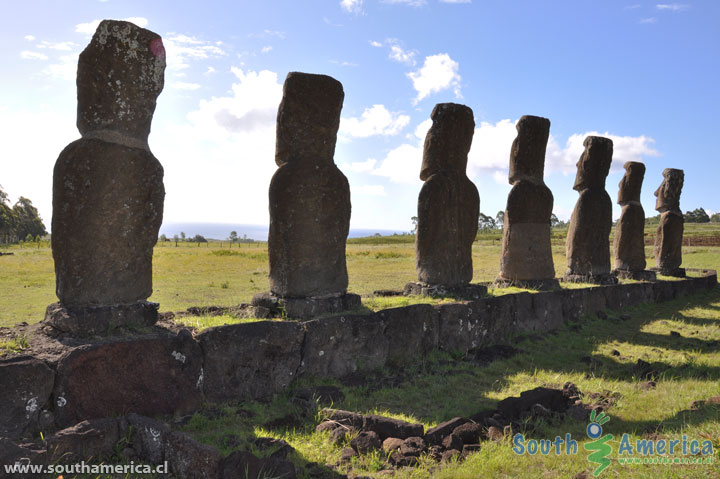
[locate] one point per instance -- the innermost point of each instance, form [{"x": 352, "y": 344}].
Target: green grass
[
  {"x": 442, "y": 388},
  {"x": 188, "y": 275}
]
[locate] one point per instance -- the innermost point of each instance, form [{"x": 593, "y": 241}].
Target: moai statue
[
  {"x": 629, "y": 244},
  {"x": 309, "y": 204},
  {"x": 448, "y": 207},
  {"x": 668, "y": 241},
  {"x": 108, "y": 188},
  {"x": 588, "y": 241},
  {"x": 526, "y": 259}
]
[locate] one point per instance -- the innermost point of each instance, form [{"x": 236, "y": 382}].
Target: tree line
[{"x": 21, "y": 222}]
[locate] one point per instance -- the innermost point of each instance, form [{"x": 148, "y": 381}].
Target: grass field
[
  {"x": 189, "y": 275},
  {"x": 679, "y": 338}
]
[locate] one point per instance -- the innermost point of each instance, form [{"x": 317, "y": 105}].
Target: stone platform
[
  {"x": 466, "y": 292},
  {"x": 303, "y": 308},
  {"x": 644, "y": 275},
  {"x": 536, "y": 284},
  {"x": 88, "y": 321}
]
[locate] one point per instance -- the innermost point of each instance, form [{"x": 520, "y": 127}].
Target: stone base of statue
[
  {"x": 536, "y": 284},
  {"x": 465, "y": 291},
  {"x": 602, "y": 279},
  {"x": 101, "y": 320},
  {"x": 274, "y": 306},
  {"x": 674, "y": 272},
  {"x": 641, "y": 275}
]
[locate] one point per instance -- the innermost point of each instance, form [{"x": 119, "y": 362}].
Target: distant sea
[{"x": 221, "y": 231}]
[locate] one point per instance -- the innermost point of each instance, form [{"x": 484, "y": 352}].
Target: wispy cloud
[
  {"x": 455, "y": 1},
  {"x": 375, "y": 44},
  {"x": 649, "y": 20},
  {"x": 88, "y": 28},
  {"x": 178, "y": 85},
  {"x": 376, "y": 120},
  {"x": 411, "y": 3},
  {"x": 62, "y": 46},
  {"x": 28, "y": 55},
  {"x": 266, "y": 49},
  {"x": 352, "y": 6},
  {"x": 673, "y": 7},
  {"x": 399, "y": 54},
  {"x": 29, "y": 38},
  {"x": 631, "y": 7}
]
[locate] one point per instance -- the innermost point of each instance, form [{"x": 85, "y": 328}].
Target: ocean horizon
[{"x": 221, "y": 231}]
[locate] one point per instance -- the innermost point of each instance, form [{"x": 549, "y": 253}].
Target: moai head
[
  {"x": 668, "y": 194},
  {"x": 631, "y": 183},
  {"x": 527, "y": 155},
  {"x": 308, "y": 119},
  {"x": 448, "y": 141},
  {"x": 594, "y": 164},
  {"x": 120, "y": 75}
]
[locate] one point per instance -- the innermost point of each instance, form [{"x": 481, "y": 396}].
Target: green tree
[
  {"x": 697, "y": 215},
  {"x": 414, "y": 223},
  {"x": 28, "y": 219},
  {"x": 182, "y": 236},
  {"x": 8, "y": 219},
  {"x": 500, "y": 219},
  {"x": 486, "y": 223},
  {"x": 163, "y": 238},
  {"x": 233, "y": 236},
  {"x": 715, "y": 218},
  {"x": 198, "y": 239}
]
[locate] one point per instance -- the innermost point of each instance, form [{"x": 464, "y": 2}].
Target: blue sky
[{"x": 644, "y": 73}]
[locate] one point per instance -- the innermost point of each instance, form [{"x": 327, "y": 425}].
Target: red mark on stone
[{"x": 156, "y": 46}]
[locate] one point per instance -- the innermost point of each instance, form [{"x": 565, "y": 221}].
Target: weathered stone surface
[
  {"x": 668, "y": 240},
  {"x": 191, "y": 459},
  {"x": 587, "y": 245},
  {"x": 551, "y": 399},
  {"x": 251, "y": 360},
  {"x": 309, "y": 195},
  {"x": 107, "y": 187},
  {"x": 392, "y": 444},
  {"x": 11, "y": 454},
  {"x": 452, "y": 442},
  {"x": 629, "y": 244},
  {"x": 366, "y": 441},
  {"x": 448, "y": 204},
  {"x": 25, "y": 387},
  {"x": 120, "y": 75},
  {"x": 526, "y": 251},
  {"x": 89, "y": 440},
  {"x": 107, "y": 210},
  {"x": 388, "y": 427},
  {"x": 88, "y": 321},
  {"x": 336, "y": 347},
  {"x": 435, "y": 435},
  {"x": 411, "y": 331},
  {"x": 305, "y": 308},
  {"x": 345, "y": 418},
  {"x": 413, "y": 446},
  {"x": 462, "y": 292},
  {"x": 150, "y": 375},
  {"x": 469, "y": 432}
]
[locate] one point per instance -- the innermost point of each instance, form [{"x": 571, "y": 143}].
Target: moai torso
[
  {"x": 108, "y": 187},
  {"x": 526, "y": 249},
  {"x": 668, "y": 241},
  {"x": 629, "y": 241},
  {"x": 309, "y": 195},
  {"x": 588, "y": 242},
  {"x": 448, "y": 204}
]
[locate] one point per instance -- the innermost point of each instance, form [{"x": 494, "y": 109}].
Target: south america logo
[{"x": 600, "y": 445}]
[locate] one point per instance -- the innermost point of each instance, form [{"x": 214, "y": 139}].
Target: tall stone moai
[
  {"x": 668, "y": 241},
  {"x": 309, "y": 203},
  {"x": 448, "y": 207},
  {"x": 629, "y": 244},
  {"x": 526, "y": 258},
  {"x": 588, "y": 241},
  {"x": 108, "y": 188}
]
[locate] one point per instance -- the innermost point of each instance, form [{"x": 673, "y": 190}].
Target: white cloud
[
  {"x": 368, "y": 190},
  {"x": 363, "y": 166},
  {"x": 28, "y": 55},
  {"x": 491, "y": 147},
  {"x": 412, "y": 3},
  {"x": 673, "y": 7},
  {"x": 402, "y": 164},
  {"x": 29, "y": 38},
  {"x": 376, "y": 120},
  {"x": 182, "y": 49},
  {"x": 267, "y": 33},
  {"x": 62, "y": 46},
  {"x": 352, "y": 6},
  {"x": 266, "y": 49},
  {"x": 455, "y": 1},
  {"x": 648, "y": 20},
  {"x": 88, "y": 28},
  {"x": 400, "y": 55},
  {"x": 233, "y": 134},
  {"x": 66, "y": 69},
  {"x": 439, "y": 72},
  {"x": 209, "y": 71},
  {"x": 178, "y": 85},
  {"x": 343, "y": 63},
  {"x": 375, "y": 44}
]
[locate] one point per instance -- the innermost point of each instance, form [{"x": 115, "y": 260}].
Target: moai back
[
  {"x": 448, "y": 204},
  {"x": 108, "y": 187},
  {"x": 309, "y": 195},
  {"x": 526, "y": 256},
  {"x": 669, "y": 236}
]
